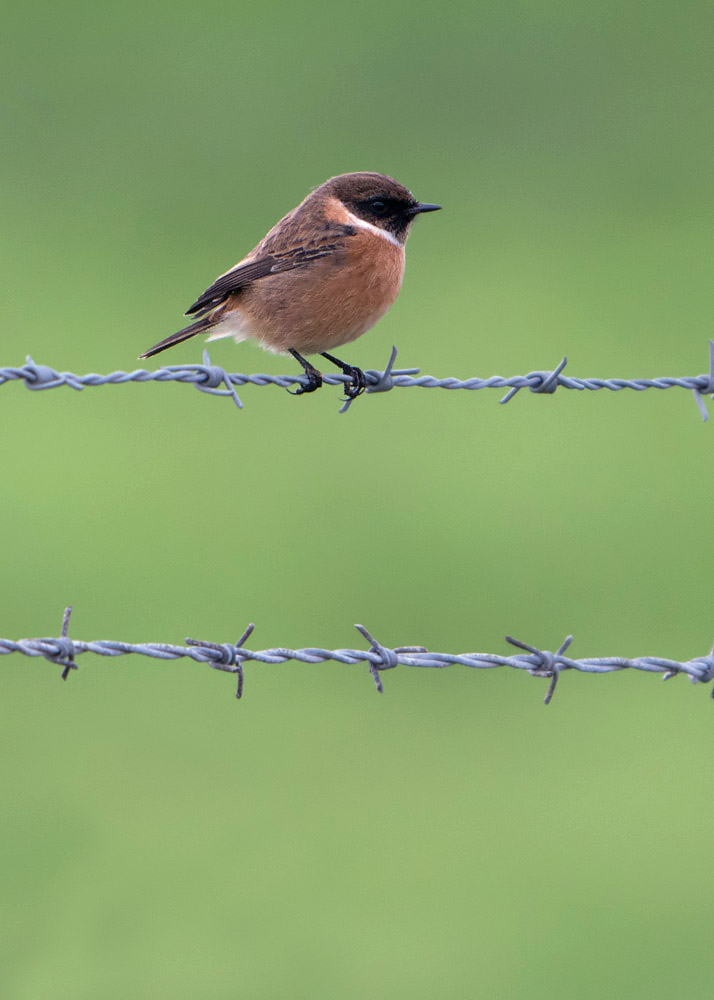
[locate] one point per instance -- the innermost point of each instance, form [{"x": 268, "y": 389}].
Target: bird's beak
[{"x": 422, "y": 207}]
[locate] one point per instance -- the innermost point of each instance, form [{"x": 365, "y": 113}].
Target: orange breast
[{"x": 328, "y": 303}]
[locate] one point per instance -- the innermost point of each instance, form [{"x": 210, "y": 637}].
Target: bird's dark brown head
[{"x": 377, "y": 199}]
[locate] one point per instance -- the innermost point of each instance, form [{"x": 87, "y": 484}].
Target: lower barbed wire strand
[{"x": 232, "y": 657}]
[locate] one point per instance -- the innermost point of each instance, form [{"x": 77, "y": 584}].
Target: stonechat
[{"x": 322, "y": 276}]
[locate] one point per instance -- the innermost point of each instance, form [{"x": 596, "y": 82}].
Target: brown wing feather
[
  {"x": 271, "y": 260},
  {"x": 233, "y": 281}
]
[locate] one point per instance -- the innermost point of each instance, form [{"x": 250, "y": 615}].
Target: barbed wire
[
  {"x": 231, "y": 657},
  {"x": 218, "y": 382}
]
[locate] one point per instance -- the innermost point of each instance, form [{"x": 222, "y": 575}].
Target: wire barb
[
  {"x": 546, "y": 382},
  {"x": 547, "y": 664},
  {"x": 217, "y": 381},
  {"x": 215, "y": 376},
  {"x": 61, "y": 650},
  {"x": 385, "y": 659},
  {"x": 708, "y": 389},
  {"x": 231, "y": 657}
]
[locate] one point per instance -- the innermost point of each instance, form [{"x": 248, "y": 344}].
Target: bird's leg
[
  {"x": 358, "y": 382},
  {"x": 314, "y": 378}
]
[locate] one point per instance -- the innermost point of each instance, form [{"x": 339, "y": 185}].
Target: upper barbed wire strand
[{"x": 217, "y": 381}]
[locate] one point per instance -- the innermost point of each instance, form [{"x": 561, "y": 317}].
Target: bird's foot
[
  {"x": 314, "y": 381},
  {"x": 313, "y": 376},
  {"x": 357, "y": 384}
]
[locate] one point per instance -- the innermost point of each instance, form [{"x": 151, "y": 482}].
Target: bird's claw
[
  {"x": 357, "y": 384},
  {"x": 314, "y": 381}
]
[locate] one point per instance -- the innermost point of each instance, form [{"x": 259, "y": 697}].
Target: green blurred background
[{"x": 452, "y": 837}]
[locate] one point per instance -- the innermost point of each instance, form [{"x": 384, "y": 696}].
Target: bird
[{"x": 320, "y": 278}]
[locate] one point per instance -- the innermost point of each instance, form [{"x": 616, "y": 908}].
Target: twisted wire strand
[
  {"x": 218, "y": 382},
  {"x": 231, "y": 657}
]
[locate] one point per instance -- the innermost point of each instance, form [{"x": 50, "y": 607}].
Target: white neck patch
[{"x": 363, "y": 224}]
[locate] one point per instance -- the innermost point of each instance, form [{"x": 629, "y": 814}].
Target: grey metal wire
[
  {"x": 231, "y": 657},
  {"x": 218, "y": 382}
]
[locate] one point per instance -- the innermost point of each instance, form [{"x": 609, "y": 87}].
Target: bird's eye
[{"x": 378, "y": 206}]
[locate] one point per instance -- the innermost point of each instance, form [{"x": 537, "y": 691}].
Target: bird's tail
[{"x": 200, "y": 326}]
